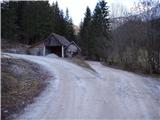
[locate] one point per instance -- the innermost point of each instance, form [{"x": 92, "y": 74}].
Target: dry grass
[
  {"x": 79, "y": 61},
  {"x": 21, "y": 81}
]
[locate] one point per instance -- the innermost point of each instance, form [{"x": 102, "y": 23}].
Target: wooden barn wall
[{"x": 37, "y": 50}]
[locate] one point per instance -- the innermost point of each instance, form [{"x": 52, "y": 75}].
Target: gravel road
[{"x": 76, "y": 93}]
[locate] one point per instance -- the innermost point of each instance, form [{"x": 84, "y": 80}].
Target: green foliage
[
  {"x": 69, "y": 31},
  {"x": 31, "y": 21},
  {"x": 95, "y": 32},
  {"x": 85, "y": 34},
  {"x": 9, "y": 28},
  {"x": 36, "y": 22}
]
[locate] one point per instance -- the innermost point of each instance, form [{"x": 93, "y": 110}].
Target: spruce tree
[
  {"x": 85, "y": 33},
  {"x": 95, "y": 32},
  {"x": 69, "y": 31},
  {"x": 36, "y": 21},
  {"x": 31, "y": 21},
  {"x": 58, "y": 19},
  {"x": 101, "y": 29},
  {"x": 8, "y": 20}
]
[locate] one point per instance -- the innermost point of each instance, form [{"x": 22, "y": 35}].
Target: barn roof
[
  {"x": 75, "y": 45},
  {"x": 61, "y": 39}
]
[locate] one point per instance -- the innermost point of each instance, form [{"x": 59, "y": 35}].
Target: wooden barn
[{"x": 56, "y": 44}]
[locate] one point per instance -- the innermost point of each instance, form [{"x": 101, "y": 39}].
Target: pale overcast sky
[{"x": 77, "y": 8}]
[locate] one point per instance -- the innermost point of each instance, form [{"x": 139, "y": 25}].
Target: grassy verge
[
  {"x": 156, "y": 76},
  {"x": 82, "y": 63},
  {"x": 21, "y": 81}
]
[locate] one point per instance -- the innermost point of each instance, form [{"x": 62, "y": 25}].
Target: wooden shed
[
  {"x": 72, "y": 49},
  {"x": 56, "y": 44}
]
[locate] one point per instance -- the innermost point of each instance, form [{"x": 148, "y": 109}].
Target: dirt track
[{"x": 76, "y": 93}]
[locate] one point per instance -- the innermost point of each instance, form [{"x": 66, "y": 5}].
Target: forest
[
  {"x": 133, "y": 45},
  {"x": 28, "y": 22}
]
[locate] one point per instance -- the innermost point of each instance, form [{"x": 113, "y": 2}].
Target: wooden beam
[
  {"x": 62, "y": 52},
  {"x": 44, "y": 51}
]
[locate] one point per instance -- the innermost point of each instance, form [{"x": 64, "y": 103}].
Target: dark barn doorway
[{"x": 54, "y": 49}]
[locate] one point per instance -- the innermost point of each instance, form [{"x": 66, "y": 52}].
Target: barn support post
[
  {"x": 44, "y": 51},
  {"x": 62, "y": 51}
]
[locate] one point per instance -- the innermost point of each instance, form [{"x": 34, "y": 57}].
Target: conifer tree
[
  {"x": 69, "y": 31},
  {"x": 85, "y": 33},
  {"x": 101, "y": 29},
  {"x": 31, "y": 21},
  {"x": 8, "y": 18},
  {"x": 36, "y": 21},
  {"x": 95, "y": 32}
]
